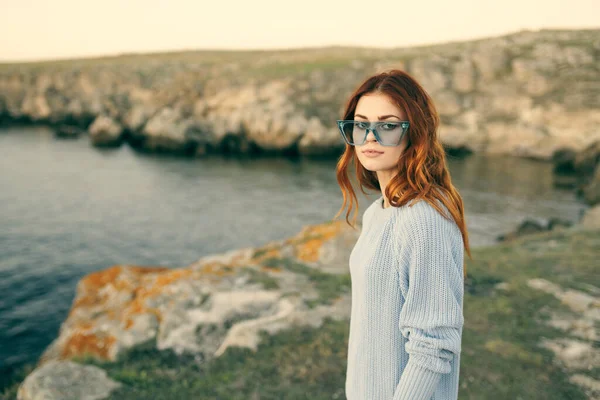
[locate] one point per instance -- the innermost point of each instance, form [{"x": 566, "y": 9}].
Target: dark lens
[
  {"x": 358, "y": 131},
  {"x": 348, "y": 130},
  {"x": 389, "y": 132}
]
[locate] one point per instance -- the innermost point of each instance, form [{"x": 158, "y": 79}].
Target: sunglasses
[{"x": 387, "y": 133}]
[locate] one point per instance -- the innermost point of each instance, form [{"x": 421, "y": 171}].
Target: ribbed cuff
[{"x": 416, "y": 383}]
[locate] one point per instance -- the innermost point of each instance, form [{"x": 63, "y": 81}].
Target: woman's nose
[{"x": 370, "y": 136}]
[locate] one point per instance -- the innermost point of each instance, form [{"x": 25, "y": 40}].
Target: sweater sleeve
[{"x": 431, "y": 318}]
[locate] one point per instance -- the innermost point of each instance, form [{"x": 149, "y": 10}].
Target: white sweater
[{"x": 407, "y": 318}]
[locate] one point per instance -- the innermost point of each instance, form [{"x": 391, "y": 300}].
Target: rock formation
[
  {"x": 217, "y": 302},
  {"x": 526, "y": 94}
]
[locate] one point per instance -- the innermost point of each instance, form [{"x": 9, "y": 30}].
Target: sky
[{"x": 54, "y": 29}]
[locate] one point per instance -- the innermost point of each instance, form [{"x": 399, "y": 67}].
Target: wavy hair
[{"x": 422, "y": 170}]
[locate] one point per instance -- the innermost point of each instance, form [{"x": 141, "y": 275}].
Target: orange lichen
[
  {"x": 129, "y": 289},
  {"x": 122, "y": 278},
  {"x": 309, "y": 250},
  {"x": 82, "y": 343},
  {"x": 129, "y": 323},
  {"x": 308, "y": 245},
  {"x": 138, "y": 305},
  {"x": 100, "y": 278},
  {"x": 84, "y": 326},
  {"x": 134, "y": 280},
  {"x": 171, "y": 276}
]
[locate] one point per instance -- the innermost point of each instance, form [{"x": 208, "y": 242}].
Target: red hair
[{"x": 422, "y": 170}]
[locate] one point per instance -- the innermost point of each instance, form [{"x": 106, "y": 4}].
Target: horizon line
[{"x": 101, "y": 56}]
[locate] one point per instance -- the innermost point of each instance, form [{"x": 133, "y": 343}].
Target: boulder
[
  {"x": 105, "y": 132},
  {"x": 165, "y": 131},
  {"x": 531, "y": 225},
  {"x": 135, "y": 119},
  {"x": 66, "y": 380}
]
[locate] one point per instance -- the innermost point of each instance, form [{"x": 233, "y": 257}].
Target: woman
[{"x": 407, "y": 266}]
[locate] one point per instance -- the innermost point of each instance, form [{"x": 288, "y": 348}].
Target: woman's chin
[{"x": 373, "y": 165}]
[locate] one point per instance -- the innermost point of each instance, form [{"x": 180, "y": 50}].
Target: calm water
[{"x": 67, "y": 209}]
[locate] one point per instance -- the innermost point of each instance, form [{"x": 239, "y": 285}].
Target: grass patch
[
  {"x": 560, "y": 256},
  {"x": 501, "y": 355}
]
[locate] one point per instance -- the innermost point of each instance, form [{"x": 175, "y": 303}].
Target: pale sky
[{"x": 48, "y": 29}]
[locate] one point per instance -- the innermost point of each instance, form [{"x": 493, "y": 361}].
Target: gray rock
[
  {"x": 66, "y": 380},
  {"x": 581, "y": 321},
  {"x": 574, "y": 354},
  {"x": 528, "y": 226},
  {"x": 584, "y": 304}
]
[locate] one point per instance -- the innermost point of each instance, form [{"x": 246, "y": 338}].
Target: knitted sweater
[{"x": 406, "y": 321}]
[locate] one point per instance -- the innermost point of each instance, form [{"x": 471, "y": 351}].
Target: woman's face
[{"x": 379, "y": 107}]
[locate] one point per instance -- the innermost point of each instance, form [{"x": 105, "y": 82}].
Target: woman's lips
[{"x": 372, "y": 153}]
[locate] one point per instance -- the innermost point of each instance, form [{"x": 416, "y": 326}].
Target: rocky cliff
[{"x": 525, "y": 94}]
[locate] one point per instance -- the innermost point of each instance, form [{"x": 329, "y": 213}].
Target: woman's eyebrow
[{"x": 380, "y": 117}]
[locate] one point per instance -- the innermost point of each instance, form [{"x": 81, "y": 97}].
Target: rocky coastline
[{"x": 528, "y": 94}]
